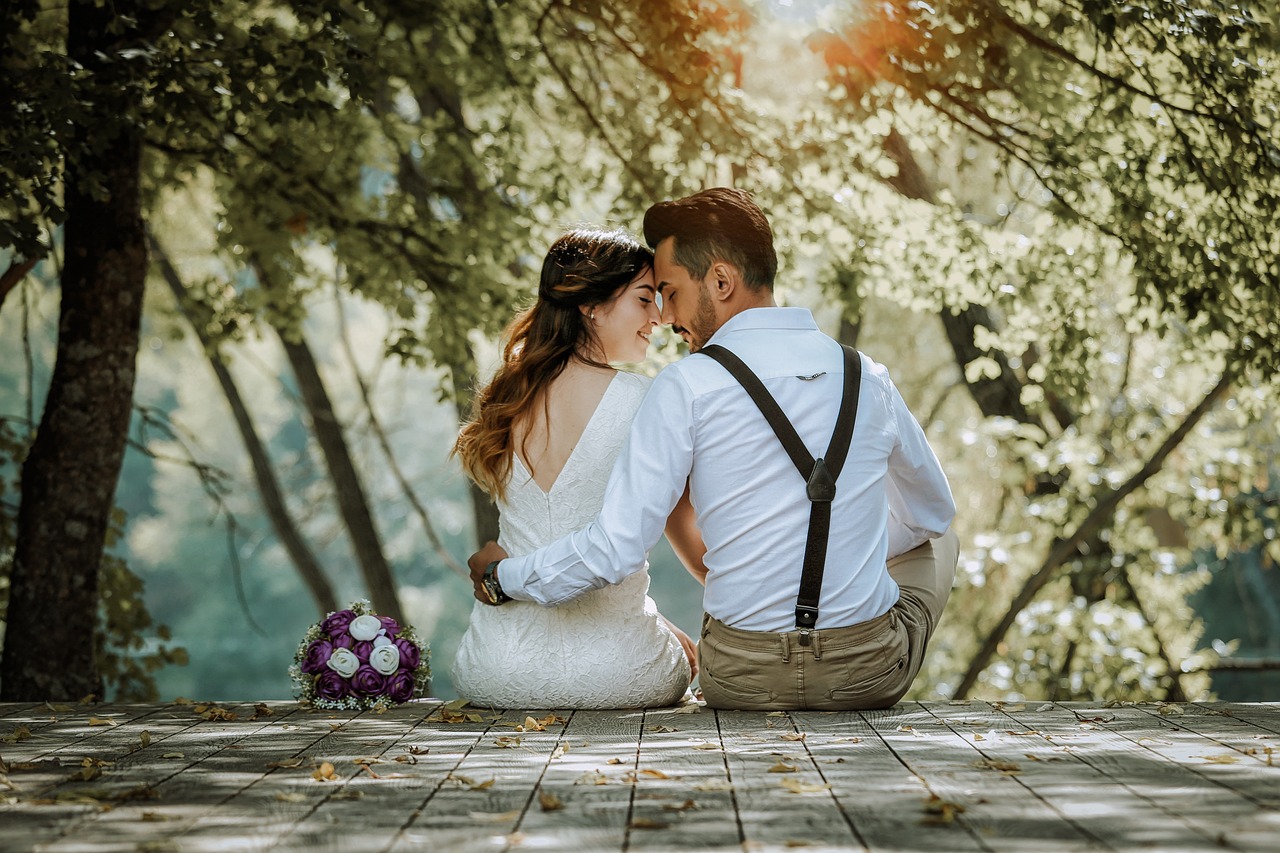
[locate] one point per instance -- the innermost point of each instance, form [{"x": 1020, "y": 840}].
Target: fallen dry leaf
[
  {"x": 614, "y": 761},
  {"x": 663, "y": 729},
  {"x": 531, "y": 725},
  {"x": 794, "y": 736},
  {"x": 213, "y": 712},
  {"x": 687, "y": 805},
  {"x": 592, "y": 777},
  {"x": 648, "y": 823},
  {"x": 287, "y": 763},
  {"x": 714, "y": 785},
  {"x": 325, "y": 773},
  {"x": 506, "y": 742},
  {"x": 783, "y": 767},
  {"x": 560, "y": 750},
  {"x": 494, "y": 817},
  {"x": 419, "y": 750},
  {"x": 996, "y": 764},
  {"x": 183, "y": 700},
  {"x": 145, "y": 739},
  {"x": 18, "y": 735},
  {"x": 261, "y": 710},
  {"x": 58, "y": 708},
  {"x": 154, "y": 817},
  {"x": 939, "y": 811},
  {"x": 291, "y": 797},
  {"x": 1226, "y": 758},
  {"x": 714, "y": 746},
  {"x": 102, "y": 721},
  {"x": 173, "y": 755},
  {"x": 796, "y": 786},
  {"x": 549, "y": 801}
]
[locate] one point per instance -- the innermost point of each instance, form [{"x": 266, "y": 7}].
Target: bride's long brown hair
[{"x": 584, "y": 267}]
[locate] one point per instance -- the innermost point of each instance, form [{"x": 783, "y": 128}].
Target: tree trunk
[
  {"x": 352, "y": 503},
  {"x": 999, "y": 396},
  {"x": 304, "y": 560},
  {"x": 69, "y": 477}
]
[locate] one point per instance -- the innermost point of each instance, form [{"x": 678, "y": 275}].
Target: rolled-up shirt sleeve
[
  {"x": 921, "y": 506},
  {"x": 647, "y": 480}
]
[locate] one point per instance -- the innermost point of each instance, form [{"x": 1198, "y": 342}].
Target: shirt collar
[{"x": 761, "y": 319}]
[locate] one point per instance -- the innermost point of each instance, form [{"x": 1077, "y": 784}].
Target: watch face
[{"x": 490, "y": 591}]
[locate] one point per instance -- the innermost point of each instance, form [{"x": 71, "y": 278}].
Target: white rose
[
  {"x": 344, "y": 662},
  {"x": 365, "y": 627},
  {"x": 381, "y": 640},
  {"x": 385, "y": 659}
]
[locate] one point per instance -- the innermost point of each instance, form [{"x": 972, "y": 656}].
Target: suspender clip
[
  {"x": 806, "y": 617},
  {"x": 822, "y": 488}
]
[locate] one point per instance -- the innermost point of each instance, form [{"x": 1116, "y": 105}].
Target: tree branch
[{"x": 1064, "y": 548}]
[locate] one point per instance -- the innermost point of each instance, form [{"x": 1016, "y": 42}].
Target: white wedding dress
[{"x": 605, "y": 649}]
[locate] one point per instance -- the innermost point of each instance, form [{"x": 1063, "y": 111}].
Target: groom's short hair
[{"x": 719, "y": 224}]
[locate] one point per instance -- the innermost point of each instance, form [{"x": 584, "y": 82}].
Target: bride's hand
[{"x": 687, "y": 643}]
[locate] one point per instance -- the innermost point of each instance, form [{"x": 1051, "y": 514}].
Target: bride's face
[{"x": 624, "y": 323}]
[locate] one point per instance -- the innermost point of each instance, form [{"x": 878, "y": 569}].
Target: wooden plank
[
  {"x": 377, "y": 789},
  {"x": 479, "y": 801},
  {"x": 1222, "y": 727},
  {"x": 987, "y": 771},
  {"x": 1173, "y": 799},
  {"x": 142, "y": 784},
  {"x": 72, "y": 782},
  {"x": 684, "y": 799},
  {"x": 250, "y": 802},
  {"x": 781, "y": 795},
  {"x": 583, "y": 801},
  {"x": 49, "y": 732},
  {"x": 1234, "y": 761},
  {"x": 1264, "y": 715}
]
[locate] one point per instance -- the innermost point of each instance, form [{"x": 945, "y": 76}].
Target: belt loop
[
  {"x": 786, "y": 648},
  {"x": 817, "y": 645},
  {"x": 706, "y": 620}
]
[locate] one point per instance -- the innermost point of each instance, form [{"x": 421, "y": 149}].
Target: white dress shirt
[{"x": 698, "y": 424}]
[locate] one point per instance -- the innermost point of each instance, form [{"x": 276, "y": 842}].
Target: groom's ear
[{"x": 724, "y": 279}]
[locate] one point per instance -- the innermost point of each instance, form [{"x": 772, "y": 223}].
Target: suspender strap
[{"x": 819, "y": 474}]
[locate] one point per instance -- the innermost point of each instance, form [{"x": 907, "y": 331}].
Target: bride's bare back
[{"x": 545, "y": 440}]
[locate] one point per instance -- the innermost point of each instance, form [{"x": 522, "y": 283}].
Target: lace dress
[{"x": 605, "y": 649}]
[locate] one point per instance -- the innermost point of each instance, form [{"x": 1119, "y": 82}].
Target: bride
[{"x": 542, "y": 441}]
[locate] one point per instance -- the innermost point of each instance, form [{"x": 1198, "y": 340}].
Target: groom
[{"x": 890, "y": 557}]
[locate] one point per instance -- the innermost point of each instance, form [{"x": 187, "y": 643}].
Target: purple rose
[
  {"x": 391, "y": 626},
  {"x": 336, "y": 623},
  {"x": 330, "y": 685},
  {"x": 368, "y": 682},
  {"x": 400, "y": 686},
  {"x": 317, "y": 656},
  {"x": 343, "y": 641},
  {"x": 409, "y": 655},
  {"x": 362, "y": 649}
]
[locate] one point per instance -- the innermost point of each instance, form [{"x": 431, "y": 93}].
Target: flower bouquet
[{"x": 354, "y": 659}]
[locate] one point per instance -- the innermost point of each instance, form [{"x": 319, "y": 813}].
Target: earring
[{"x": 593, "y": 315}]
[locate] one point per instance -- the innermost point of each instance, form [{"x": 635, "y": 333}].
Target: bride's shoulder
[{"x": 637, "y": 383}]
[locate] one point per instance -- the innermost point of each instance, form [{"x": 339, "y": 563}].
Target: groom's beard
[{"x": 703, "y": 324}]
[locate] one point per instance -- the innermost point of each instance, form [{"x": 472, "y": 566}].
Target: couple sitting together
[{"x": 785, "y": 470}]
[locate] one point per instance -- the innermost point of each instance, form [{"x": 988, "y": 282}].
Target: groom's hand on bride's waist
[{"x": 478, "y": 562}]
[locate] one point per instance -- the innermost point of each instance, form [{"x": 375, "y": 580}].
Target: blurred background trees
[{"x": 1055, "y": 223}]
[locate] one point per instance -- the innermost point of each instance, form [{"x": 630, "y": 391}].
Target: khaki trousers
[{"x": 860, "y": 667}]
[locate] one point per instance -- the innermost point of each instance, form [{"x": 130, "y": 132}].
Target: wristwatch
[{"x": 492, "y": 586}]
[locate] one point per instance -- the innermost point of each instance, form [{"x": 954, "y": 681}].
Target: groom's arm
[
  {"x": 647, "y": 481},
  {"x": 921, "y": 506}
]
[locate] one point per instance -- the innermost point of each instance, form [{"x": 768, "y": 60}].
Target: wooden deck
[{"x": 427, "y": 776}]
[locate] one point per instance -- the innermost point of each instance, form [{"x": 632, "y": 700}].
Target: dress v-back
[{"x": 605, "y": 649}]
